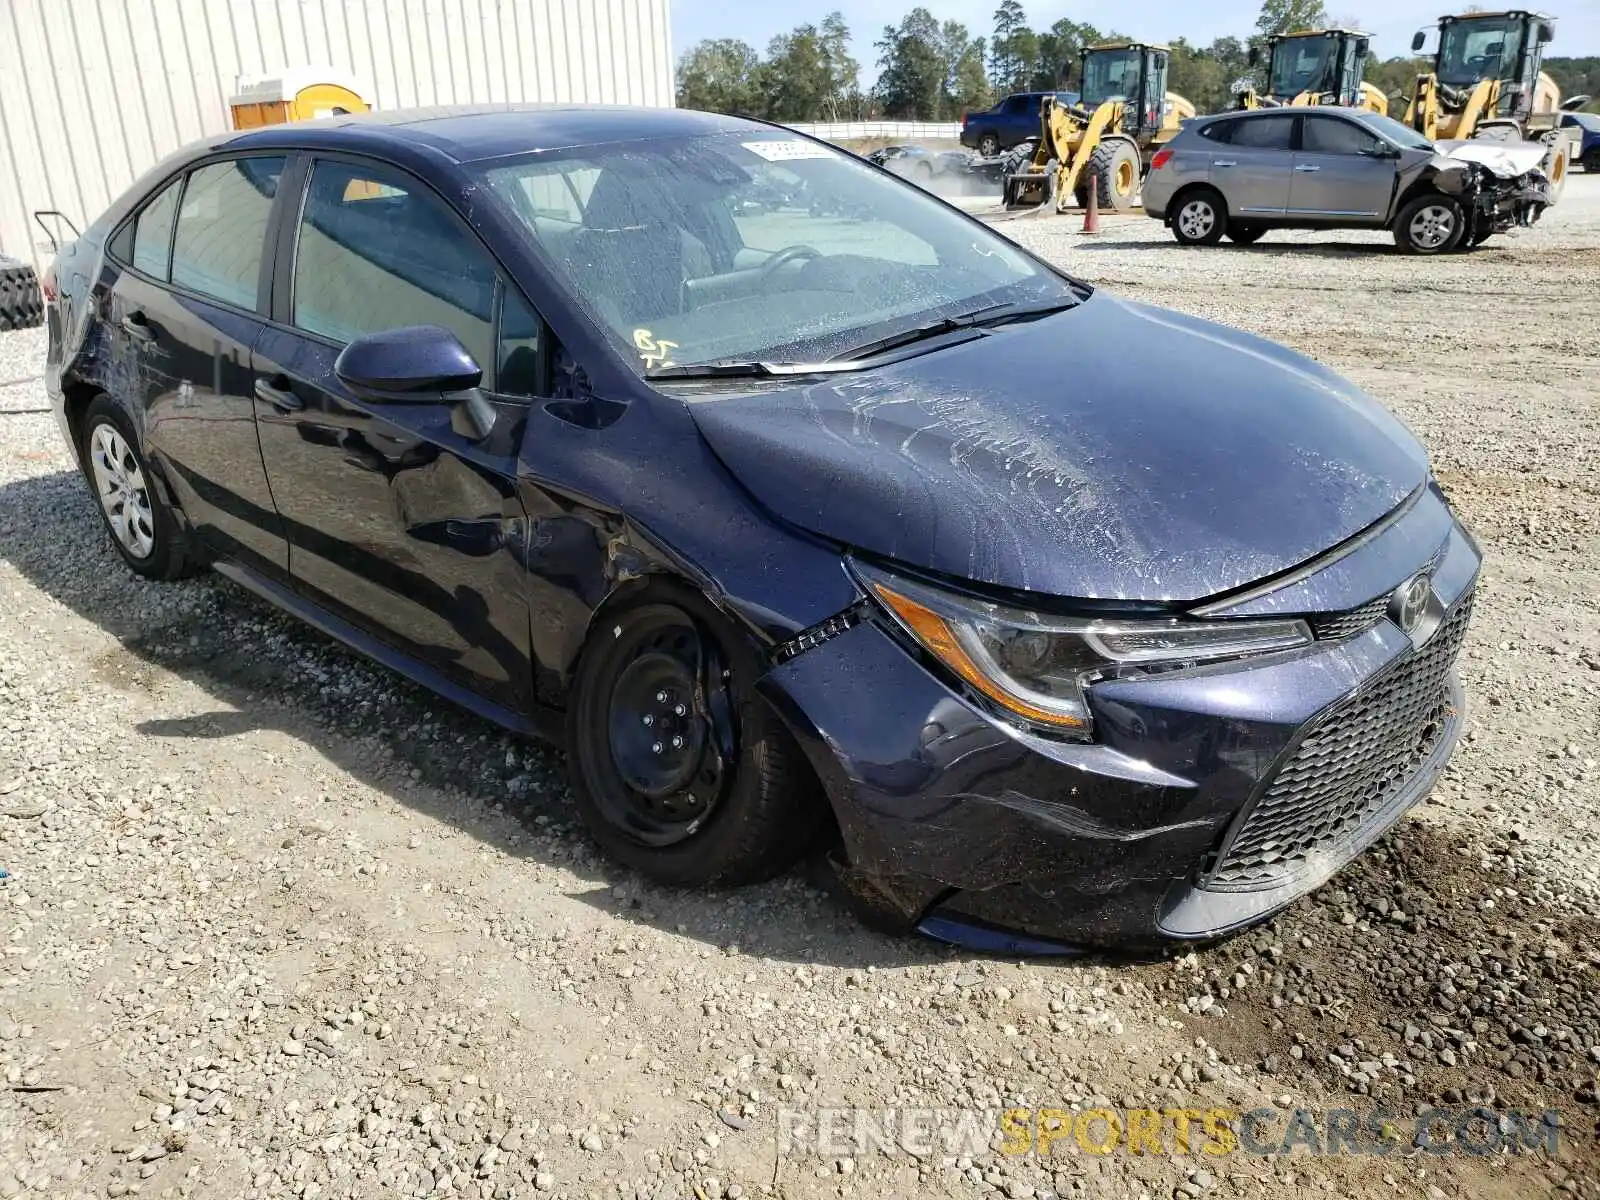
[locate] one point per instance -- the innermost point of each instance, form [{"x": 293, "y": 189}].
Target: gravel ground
[{"x": 277, "y": 923}]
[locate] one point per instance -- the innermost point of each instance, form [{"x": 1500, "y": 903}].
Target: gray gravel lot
[{"x": 278, "y": 923}]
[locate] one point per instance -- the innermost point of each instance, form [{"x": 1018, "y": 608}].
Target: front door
[
  {"x": 1341, "y": 172},
  {"x": 184, "y": 311},
  {"x": 1253, "y": 169},
  {"x": 401, "y": 519}
]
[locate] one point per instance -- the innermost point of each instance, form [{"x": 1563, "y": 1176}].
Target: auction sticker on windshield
[{"x": 787, "y": 149}]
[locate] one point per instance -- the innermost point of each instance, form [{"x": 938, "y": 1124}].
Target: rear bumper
[{"x": 983, "y": 834}]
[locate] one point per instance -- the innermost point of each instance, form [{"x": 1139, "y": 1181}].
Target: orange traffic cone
[{"x": 1091, "y": 213}]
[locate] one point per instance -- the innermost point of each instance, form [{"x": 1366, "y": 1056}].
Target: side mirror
[
  {"x": 1546, "y": 34},
  {"x": 1254, "y": 57},
  {"x": 1417, "y": 40},
  {"x": 418, "y": 364},
  {"x": 1362, "y": 46}
]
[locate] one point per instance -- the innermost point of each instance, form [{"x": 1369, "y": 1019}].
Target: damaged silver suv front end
[{"x": 1500, "y": 185}]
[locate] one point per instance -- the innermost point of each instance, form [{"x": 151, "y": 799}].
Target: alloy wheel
[
  {"x": 1432, "y": 227},
  {"x": 1196, "y": 219},
  {"x": 124, "y": 495}
]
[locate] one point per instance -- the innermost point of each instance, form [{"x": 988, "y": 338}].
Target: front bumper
[{"x": 1210, "y": 799}]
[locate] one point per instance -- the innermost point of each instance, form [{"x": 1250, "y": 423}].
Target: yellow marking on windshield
[{"x": 656, "y": 352}]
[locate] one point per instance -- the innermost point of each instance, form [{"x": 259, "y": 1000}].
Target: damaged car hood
[
  {"x": 1508, "y": 160},
  {"x": 1113, "y": 451}
]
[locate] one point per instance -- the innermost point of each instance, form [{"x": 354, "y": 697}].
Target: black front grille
[
  {"x": 1346, "y": 769},
  {"x": 1334, "y": 627}
]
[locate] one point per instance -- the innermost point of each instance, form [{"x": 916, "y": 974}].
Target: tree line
[{"x": 935, "y": 71}]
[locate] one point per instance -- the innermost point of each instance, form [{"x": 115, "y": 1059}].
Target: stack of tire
[{"x": 21, "y": 305}]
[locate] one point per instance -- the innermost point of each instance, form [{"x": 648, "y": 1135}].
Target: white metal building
[{"x": 92, "y": 92}]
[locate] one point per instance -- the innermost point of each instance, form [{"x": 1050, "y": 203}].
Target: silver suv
[{"x": 1241, "y": 174}]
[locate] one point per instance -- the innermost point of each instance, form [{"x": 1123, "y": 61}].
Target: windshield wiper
[
  {"x": 993, "y": 314},
  {"x": 853, "y": 359}
]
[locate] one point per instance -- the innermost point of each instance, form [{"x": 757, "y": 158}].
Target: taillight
[
  {"x": 47, "y": 284},
  {"x": 966, "y": 119},
  {"x": 1160, "y": 160}
]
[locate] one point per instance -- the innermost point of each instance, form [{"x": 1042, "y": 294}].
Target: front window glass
[
  {"x": 754, "y": 247},
  {"x": 1484, "y": 48},
  {"x": 1329, "y": 135},
  {"x": 1308, "y": 64},
  {"x": 377, "y": 251},
  {"x": 1110, "y": 75},
  {"x": 1398, "y": 132}
]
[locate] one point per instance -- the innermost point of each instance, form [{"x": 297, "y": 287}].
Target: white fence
[
  {"x": 92, "y": 92},
  {"x": 910, "y": 131}
]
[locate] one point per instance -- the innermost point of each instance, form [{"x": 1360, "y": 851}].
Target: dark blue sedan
[{"x": 1074, "y": 621}]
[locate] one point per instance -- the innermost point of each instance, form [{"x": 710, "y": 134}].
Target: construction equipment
[
  {"x": 1124, "y": 115},
  {"x": 1486, "y": 83},
  {"x": 1315, "y": 66}
]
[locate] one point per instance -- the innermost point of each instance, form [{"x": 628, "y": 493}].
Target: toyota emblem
[{"x": 1410, "y": 601}]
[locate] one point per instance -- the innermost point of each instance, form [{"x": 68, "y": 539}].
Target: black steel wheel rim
[{"x": 669, "y": 734}]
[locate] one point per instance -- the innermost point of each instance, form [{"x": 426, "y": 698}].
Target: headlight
[{"x": 1039, "y": 667}]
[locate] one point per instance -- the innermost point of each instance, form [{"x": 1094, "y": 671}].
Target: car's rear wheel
[
  {"x": 679, "y": 769},
  {"x": 989, "y": 145},
  {"x": 1199, "y": 218},
  {"x": 1429, "y": 224},
  {"x": 143, "y": 529},
  {"x": 1245, "y": 235}
]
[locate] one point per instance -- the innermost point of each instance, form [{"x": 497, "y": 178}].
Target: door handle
[
  {"x": 277, "y": 393},
  {"x": 1226, "y": 162},
  {"x": 136, "y": 326},
  {"x": 1307, "y": 167}
]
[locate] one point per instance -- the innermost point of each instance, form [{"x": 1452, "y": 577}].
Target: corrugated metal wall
[{"x": 92, "y": 92}]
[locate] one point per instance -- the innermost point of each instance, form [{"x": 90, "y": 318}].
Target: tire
[
  {"x": 154, "y": 544},
  {"x": 21, "y": 304},
  {"x": 1245, "y": 235},
  {"x": 1115, "y": 168},
  {"x": 737, "y": 803},
  {"x": 1429, "y": 224},
  {"x": 1199, "y": 217},
  {"x": 989, "y": 144},
  {"x": 1017, "y": 157}
]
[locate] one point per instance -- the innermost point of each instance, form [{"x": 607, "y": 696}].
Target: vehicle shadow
[
  {"x": 1263, "y": 247},
  {"x": 267, "y": 671}
]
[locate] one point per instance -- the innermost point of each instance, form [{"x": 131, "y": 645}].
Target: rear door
[
  {"x": 1253, "y": 168},
  {"x": 400, "y": 519},
  {"x": 184, "y": 312},
  {"x": 1342, "y": 172}
]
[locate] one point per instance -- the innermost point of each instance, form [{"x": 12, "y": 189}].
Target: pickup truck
[{"x": 1013, "y": 120}]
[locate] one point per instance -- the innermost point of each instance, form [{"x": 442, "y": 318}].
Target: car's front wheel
[
  {"x": 679, "y": 769},
  {"x": 143, "y": 529},
  {"x": 1429, "y": 224},
  {"x": 989, "y": 145},
  {"x": 1199, "y": 218}
]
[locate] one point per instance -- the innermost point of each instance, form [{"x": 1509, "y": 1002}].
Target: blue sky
[{"x": 1392, "y": 22}]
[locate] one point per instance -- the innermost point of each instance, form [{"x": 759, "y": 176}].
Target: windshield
[
  {"x": 1110, "y": 75},
  {"x": 1308, "y": 64},
  {"x": 1485, "y": 48},
  {"x": 1398, "y": 132},
  {"x": 755, "y": 247}
]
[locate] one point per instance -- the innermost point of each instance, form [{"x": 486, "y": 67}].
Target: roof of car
[{"x": 469, "y": 133}]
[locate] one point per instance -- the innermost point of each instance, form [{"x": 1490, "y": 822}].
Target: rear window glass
[
  {"x": 222, "y": 226},
  {"x": 1263, "y": 133},
  {"x": 152, "y": 232}
]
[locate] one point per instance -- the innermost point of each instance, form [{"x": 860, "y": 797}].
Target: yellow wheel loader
[
  {"x": 1315, "y": 66},
  {"x": 1124, "y": 115},
  {"x": 1486, "y": 83}
]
